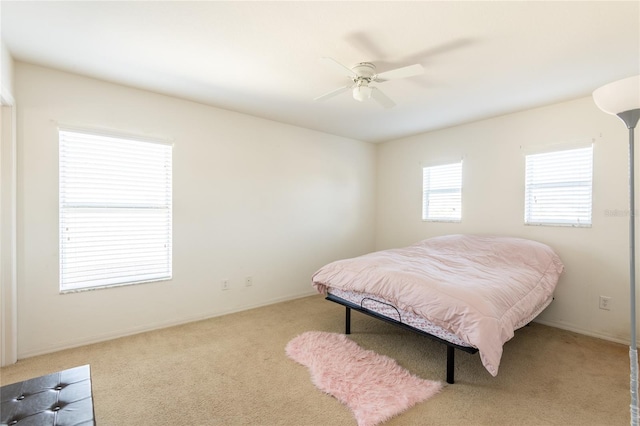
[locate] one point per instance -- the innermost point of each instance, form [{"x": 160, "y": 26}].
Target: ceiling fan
[{"x": 363, "y": 74}]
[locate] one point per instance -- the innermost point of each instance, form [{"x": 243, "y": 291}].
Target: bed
[{"x": 470, "y": 292}]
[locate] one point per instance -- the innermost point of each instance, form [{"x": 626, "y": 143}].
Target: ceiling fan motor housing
[{"x": 365, "y": 70}]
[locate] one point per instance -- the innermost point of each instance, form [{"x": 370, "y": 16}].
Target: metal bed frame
[{"x": 451, "y": 347}]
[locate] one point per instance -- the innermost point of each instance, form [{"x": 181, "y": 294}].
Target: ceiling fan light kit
[
  {"x": 364, "y": 73},
  {"x": 361, "y": 92}
]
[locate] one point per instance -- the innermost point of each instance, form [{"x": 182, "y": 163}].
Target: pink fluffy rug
[{"x": 373, "y": 386}]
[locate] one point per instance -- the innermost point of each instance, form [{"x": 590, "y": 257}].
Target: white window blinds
[
  {"x": 442, "y": 193},
  {"x": 115, "y": 211},
  {"x": 558, "y": 187}
]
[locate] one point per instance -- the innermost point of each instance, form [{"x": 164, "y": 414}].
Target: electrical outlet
[
  {"x": 248, "y": 281},
  {"x": 224, "y": 285},
  {"x": 605, "y": 303}
]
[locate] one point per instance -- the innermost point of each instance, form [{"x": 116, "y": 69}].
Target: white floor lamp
[{"x": 622, "y": 98}]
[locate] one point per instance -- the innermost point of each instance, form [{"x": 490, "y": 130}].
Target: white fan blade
[
  {"x": 343, "y": 68},
  {"x": 333, "y": 93},
  {"x": 382, "y": 99},
  {"x": 403, "y": 72}
]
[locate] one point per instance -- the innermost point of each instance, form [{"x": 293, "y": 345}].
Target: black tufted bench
[{"x": 59, "y": 399}]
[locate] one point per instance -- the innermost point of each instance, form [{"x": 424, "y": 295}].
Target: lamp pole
[
  {"x": 630, "y": 118},
  {"x": 622, "y": 98}
]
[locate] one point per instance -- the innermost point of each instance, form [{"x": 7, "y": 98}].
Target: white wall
[
  {"x": 255, "y": 197},
  {"x": 6, "y": 71},
  {"x": 596, "y": 258},
  {"x": 8, "y": 189},
  {"x": 251, "y": 198}
]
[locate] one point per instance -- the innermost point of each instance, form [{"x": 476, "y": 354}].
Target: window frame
[
  {"x": 442, "y": 169},
  {"x": 105, "y": 204},
  {"x": 576, "y": 188}
]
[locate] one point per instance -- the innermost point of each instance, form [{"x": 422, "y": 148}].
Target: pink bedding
[{"x": 480, "y": 288}]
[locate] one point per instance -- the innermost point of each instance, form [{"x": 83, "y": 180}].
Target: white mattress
[{"x": 382, "y": 306}]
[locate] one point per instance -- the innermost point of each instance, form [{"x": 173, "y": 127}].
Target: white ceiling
[{"x": 264, "y": 58}]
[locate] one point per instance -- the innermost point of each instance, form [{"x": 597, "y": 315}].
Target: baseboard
[
  {"x": 69, "y": 344},
  {"x": 203, "y": 316},
  {"x": 569, "y": 327}
]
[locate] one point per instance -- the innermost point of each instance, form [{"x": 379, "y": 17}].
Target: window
[
  {"x": 558, "y": 188},
  {"x": 442, "y": 193},
  {"x": 115, "y": 211}
]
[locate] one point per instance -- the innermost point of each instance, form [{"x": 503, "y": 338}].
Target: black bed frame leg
[
  {"x": 347, "y": 321},
  {"x": 450, "y": 363},
  {"x": 451, "y": 347}
]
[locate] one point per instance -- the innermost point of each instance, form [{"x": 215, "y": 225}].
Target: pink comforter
[{"x": 478, "y": 287}]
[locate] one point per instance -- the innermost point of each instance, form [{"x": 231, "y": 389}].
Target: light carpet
[{"x": 373, "y": 386}]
